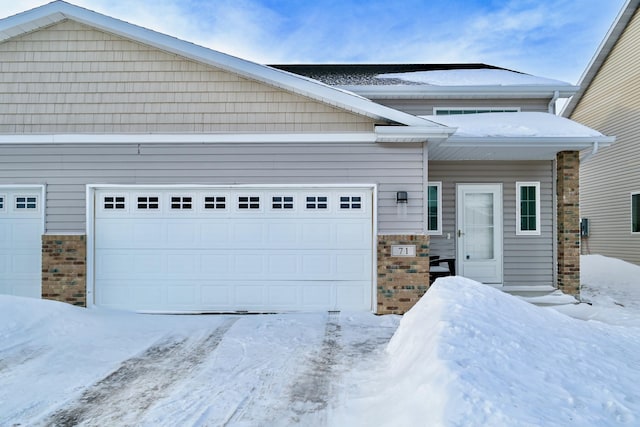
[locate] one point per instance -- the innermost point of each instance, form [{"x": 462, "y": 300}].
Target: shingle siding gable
[{"x": 72, "y": 78}]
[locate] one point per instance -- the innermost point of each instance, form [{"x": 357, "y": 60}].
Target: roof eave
[
  {"x": 603, "y": 51},
  {"x": 561, "y": 142},
  {"x": 430, "y": 91},
  {"x": 57, "y": 11}
]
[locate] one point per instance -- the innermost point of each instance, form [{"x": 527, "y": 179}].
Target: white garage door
[
  {"x": 234, "y": 249},
  {"x": 21, "y": 241}
]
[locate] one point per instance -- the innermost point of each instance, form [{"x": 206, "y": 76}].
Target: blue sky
[{"x": 548, "y": 38}]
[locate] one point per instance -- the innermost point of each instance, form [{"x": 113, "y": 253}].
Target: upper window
[
  {"x": 455, "y": 111},
  {"x": 635, "y": 213},
  {"x": 434, "y": 208},
  {"x": 26, "y": 202},
  {"x": 527, "y": 208}
]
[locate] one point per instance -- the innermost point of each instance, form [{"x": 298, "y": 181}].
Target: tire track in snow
[
  {"x": 311, "y": 392},
  {"x": 139, "y": 382}
]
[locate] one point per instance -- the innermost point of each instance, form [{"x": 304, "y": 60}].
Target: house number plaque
[{"x": 403, "y": 250}]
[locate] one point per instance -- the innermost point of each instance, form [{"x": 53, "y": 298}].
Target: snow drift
[{"x": 471, "y": 355}]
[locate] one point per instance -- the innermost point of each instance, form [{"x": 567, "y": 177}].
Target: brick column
[
  {"x": 64, "y": 269},
  {"x": 568, "y": 165},
  {"x": 402, "y": 281}
]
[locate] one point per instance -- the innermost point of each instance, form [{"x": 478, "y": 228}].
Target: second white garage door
[{"x": 233, "y": 249}]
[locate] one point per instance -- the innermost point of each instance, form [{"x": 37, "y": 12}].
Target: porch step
[{"x": 540, "y": 295}]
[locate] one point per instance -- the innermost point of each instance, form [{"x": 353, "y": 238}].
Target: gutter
[
  {"x": 573, "y": 142},
  {"x": 552, "y": 103},
  {"x": 430, "y": 91}
]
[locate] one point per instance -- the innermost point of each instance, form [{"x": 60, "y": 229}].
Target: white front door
[{"x": 479, "y": 221}]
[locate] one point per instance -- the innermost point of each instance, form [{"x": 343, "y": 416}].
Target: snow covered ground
[{"x": 465, "y": 355}]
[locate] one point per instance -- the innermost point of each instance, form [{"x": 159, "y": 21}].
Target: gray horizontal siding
[
  {"x": 423, "y": 107},
  {"x": 528, "y": 260},
  {"x": 67, "y": 169}
]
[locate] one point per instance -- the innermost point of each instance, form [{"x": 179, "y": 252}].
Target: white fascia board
[
  {"x": 249, "y": 138},
  {"x": 428, "y": 91},
  {"x": 58, "y": 11},
  {"x": 572, "y": 143},
  {"x": 412, "y": 133}
]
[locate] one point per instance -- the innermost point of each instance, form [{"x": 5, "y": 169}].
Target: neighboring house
[
  {"x": 609, "y": 101},
  {"x": 142, "y": 172}
]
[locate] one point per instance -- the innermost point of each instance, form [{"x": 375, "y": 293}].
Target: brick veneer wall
[
  {"x": 64, "y": 268},
  {"x": 568, "y": 167},
  {"x": 402, "y": 281}
]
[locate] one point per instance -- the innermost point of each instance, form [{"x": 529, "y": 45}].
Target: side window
[
  {"x": 434, "y": 208},
  {"x": 527, "y": 208},
  {"x": 635, "y": 213}
]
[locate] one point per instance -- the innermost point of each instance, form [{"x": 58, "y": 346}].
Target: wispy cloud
[{"x": 553, "y": 38}]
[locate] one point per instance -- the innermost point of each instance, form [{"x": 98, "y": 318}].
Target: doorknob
[{"x": 460, "y": 233}]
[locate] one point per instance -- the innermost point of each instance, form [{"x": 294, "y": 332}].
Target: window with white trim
[
  {"x": 527, "y": 208},
  {"x": 350, "y": 202},
  {"x": 181, "y": 202},
  {"x": 317, "y": 202},
  {"x": 2, "y": 198},
  {"x": 248, "y": 202},
  {"x": 434, "y": 208},
  {"x": 26, "y": 202},
  {"x": 113, "y": 202},
  {"x": 480, "y": 110},
  {"x": 148, "y": 202},
  {"x": 282, "y": 202},
  {"x": 635, "y": 212},
  {"x": 215, "y": 202}
]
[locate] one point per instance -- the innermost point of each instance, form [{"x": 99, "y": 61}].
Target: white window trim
[
  {"x": 519, "y": 231},
  {"x": 436, "y": 109},
  {"x": 631, "y": 212},
  {"x": 438, "y": 231}
]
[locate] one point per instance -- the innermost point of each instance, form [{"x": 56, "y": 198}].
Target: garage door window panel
[
  {"x": 26, "y": 203},
  {"x": 317, "y": 202},
  {"x": 148, "y": 203},
  {"x": 249, "y": 202},
  {"x": 282, "y": 203},
  {"x": 215, "y": 202},
  {"x": 181, "y": 202},
  {"x": 350, "y": 202},
  {"x": 113, "y": 202},
  {"x": 2, "y": 203}
]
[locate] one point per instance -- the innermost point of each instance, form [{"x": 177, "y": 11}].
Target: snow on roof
[
  {"x": 474, "y": 77},
  {"x": 523, "y": 124}
]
